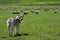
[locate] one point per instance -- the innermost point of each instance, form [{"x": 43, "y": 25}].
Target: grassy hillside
[
  {"x": 47, "y": 0},
  {"x": 42, "y": 26},
  {"x": 25, "y": 1}
]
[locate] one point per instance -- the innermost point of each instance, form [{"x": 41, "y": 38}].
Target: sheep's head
[{"x": 20, "y": 17}]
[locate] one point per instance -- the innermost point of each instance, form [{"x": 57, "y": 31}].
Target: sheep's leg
[
  {"x": 12, "y": 25},
  {"x": 17, "y": 29},
  {"x": 12, "y": 30},
  {"x": 9, "y": 31}
]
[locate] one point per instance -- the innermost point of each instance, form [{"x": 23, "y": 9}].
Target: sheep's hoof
[
  {"x": 10, "y": 36},
  {"x": 17, "y": 35}
]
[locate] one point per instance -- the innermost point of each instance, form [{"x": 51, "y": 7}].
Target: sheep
[
  {"x": 14, "y": 22},
  {"x": 55, "y": 11},
  {"x": 26, "y": 12},
  {"x": 46, "y": 9},
  {"x": 32, "y": 11},
  {"x": 36, "y": 12},
  {"x": 16, "y": 12}
]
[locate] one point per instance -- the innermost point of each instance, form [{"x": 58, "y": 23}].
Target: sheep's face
[{"x": 20, "y": 17}]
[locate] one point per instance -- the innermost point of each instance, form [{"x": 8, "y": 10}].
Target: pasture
[{"x": 41, "y": 26}]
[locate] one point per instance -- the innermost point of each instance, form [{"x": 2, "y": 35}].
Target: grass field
[
  {"x": 24, "y": 1},
  {"x": 42, "y": 26},
  {"x": 30, "y": 2}
]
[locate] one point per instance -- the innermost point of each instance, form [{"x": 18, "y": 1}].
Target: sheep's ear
[
  {"x": 16, "y": 16},
  {"x": 22, "y": 15}
]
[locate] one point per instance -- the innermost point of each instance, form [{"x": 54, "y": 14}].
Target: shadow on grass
[
  {"x": 3, "y": 37},
  {"x": 16, "y": 35},
  {"x": 24, "y": 34}
]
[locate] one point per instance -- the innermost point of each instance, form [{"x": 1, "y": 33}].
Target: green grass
[
  {"x": 42, "y": 26},
  {"x": 24, "y": 1},
  {"x": 30, "y": 2}
]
